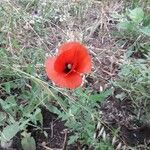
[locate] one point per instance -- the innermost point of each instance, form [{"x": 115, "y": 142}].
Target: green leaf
[
  {"x": 136, "y": 15},
  {"x": 72, "y": 139},
  {"x": 10, "y": 131},
  {"x": 100, "y": 97},
  {"x": 39, "y": 117},
  {"x": 3, "y": 118},
  {"x": 7, "y": 87},
  {"x": 144, "y": 48},
  {"x": 127, "y": 25},
  {"x": 116, "y": 16},
  {"x": 36, "y": 116},
  {"x": 146, "y": 21},
  {"x": 121, "y": 96},
  {"x": 9, "y": 105},
  {"x": 145, "y": 30},
  {"x": 28, "y": 143},
  {"x": 53, "y": 109}
]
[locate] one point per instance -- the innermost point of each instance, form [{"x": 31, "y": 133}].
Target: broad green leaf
[
  {"x": 116, "y": 16},
  {"x": 73, "y": 139},
  {"x": 100, "y": 97},
  {"x": 53, "y": 109},
  {"x": 9, "y": 105},
  {"x": 10, "y": 131},
  {"x": 145, "y": 30},
  {"x": 137, "y": 15},
  {"x": 35, "y": 116},
  {"x": 127, "y": 25},
  {"x": 146, "y": 21},
  {"x": 28, "y": 143},
  {"x": 39, "y": 117}
]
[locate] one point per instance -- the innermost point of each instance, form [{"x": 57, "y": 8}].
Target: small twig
[
  {"x": 10, "y": 43},
  {"x": 48, "y": 148},
  {"x": 97, "y": 24},
  {"x": 52, "y": 131},
  {"x": 109, "y": 73},
  {"x": 43, "y": 144},
  {"x": 65, "y": 140}
]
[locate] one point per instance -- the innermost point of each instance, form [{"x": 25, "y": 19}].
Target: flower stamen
[{"x": 68, "y": 68}]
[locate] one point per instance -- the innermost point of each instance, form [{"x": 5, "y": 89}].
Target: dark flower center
[{"x": 68, "y": 68}]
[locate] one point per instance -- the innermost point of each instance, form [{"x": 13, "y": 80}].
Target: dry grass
[
  {"x": 33, "y": 30},
  {"x": 46, "y": 24}
]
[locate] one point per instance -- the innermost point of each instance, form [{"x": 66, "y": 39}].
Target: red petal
[
  {"x": 68, "y": 46},
  {"x": 84, "y": 63},
  {"x": 82, "y": 58},
  {"x": 49, "y": 67},
  {"x": 66, "y": 57},
  {"x": 71, "y": 81}
]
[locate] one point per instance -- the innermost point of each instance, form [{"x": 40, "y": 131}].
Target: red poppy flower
[{"x": 66, "y": 68}]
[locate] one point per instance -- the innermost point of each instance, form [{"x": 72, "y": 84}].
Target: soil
[
  {"x": 119, "y": 115},
  {"x": 54, "y": 137},
  {"x": 116, "y": 114}
]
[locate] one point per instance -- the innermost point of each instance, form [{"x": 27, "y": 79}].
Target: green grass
[{"x": 32, "y": 30}]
